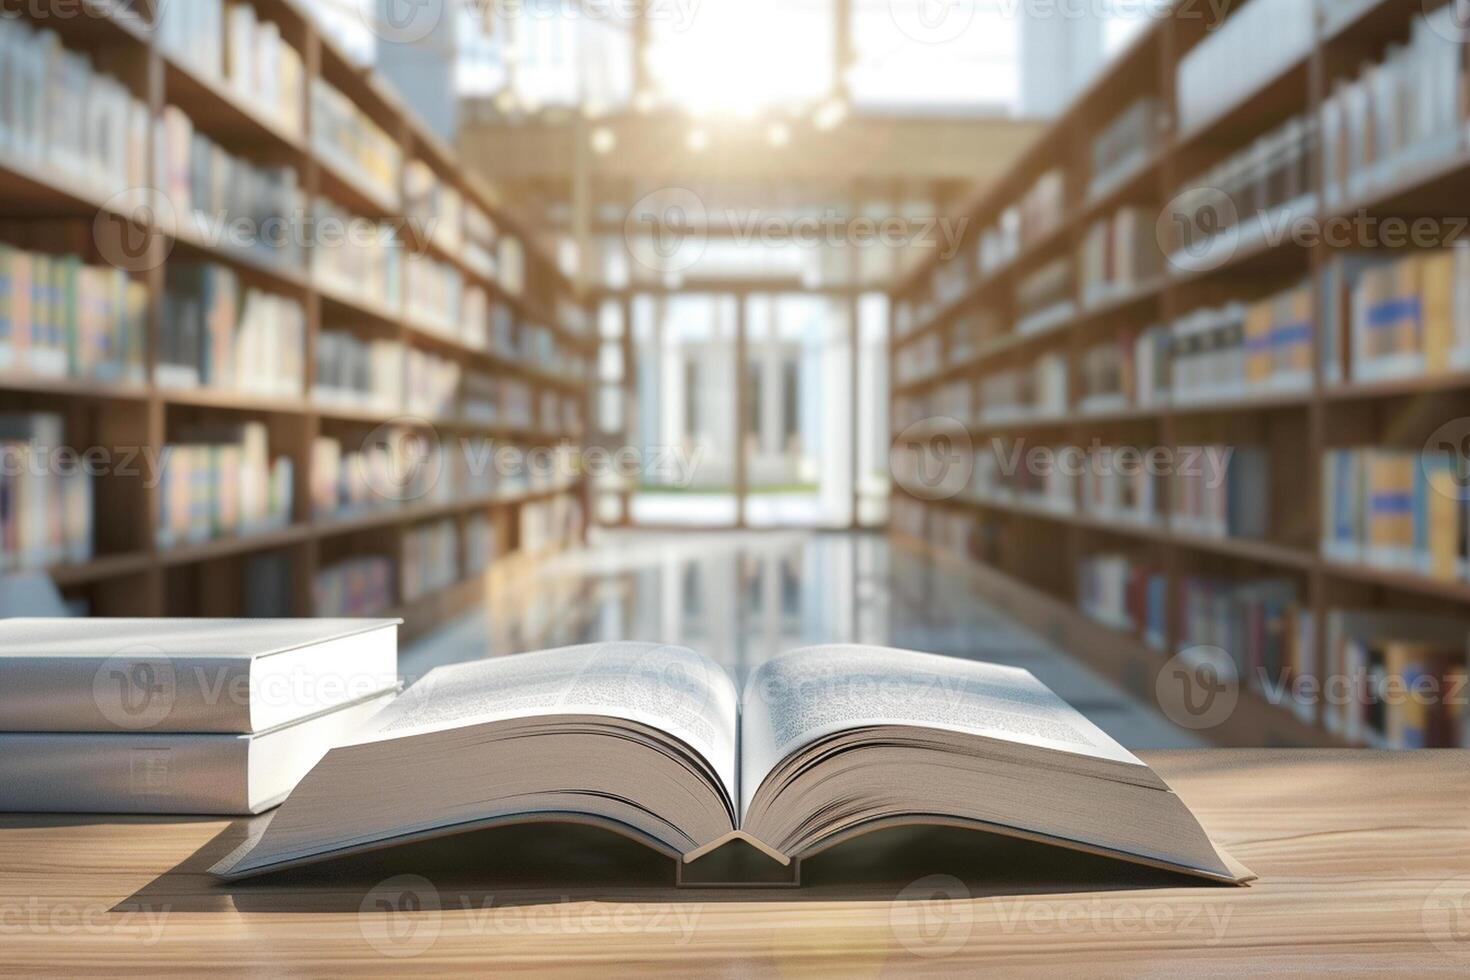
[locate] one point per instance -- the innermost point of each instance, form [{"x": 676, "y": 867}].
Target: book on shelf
[
  {"x": 356, "y": 373},
  {"x": 1222, "y": 492},
  {"x": 1118, "y": 485},
  {"x": 1257, "y": 42},
  {"x": 221, "y": 481},
  {"x": 180, "y": 716},
  {"x": 481, "y": 544},
  {"x": 64, "y": 116},
  {"x": 511, "y": 263},
  {"x": 1402, "y": 679},
  {"x": 1046, "y": 298},
  {"x": 60, "y": 317},
  {"x": 1265, "y": 628},
  {"x": 430, "y": 559},
  {"x": 1125, "y": 145},
  {"x": 435, "y": 205},
  {"x": 657, "y": 744},
  {"x": 351, "y": 142},
  {"x": 1108, "y": 377},
  {"x": 1126, "y": 594},
  {"x": 268, "y": 586},
  {"x": 434, "y": 295},
  {"x": 1119, "y": 255},
  {"x": 480, "y": 233},
  {"x": 1244, "y": 349},
  {"x": 1000, "y": 244},
  {"x": 1398, "y": 510},
  {"x": 1037, "y": 391},
  {"x": 228, "y": 201},
  {"x": 1399, "y": 316},
  {"x": 194, "y": 34},
  {"x": 217, "y": 335},
  {"x": 1005, "y": 475},
  {"x": 357, "y": 257},
  {"x": 1043, "y": 207},
  {"x": 262, "y": 69},
  {"x": 354, "y": 587},
  {"x": 1153, "y": 373},
  {"x": 47, "y": 495},
  {"x": 431, "y": 384},
  {"x": 1402, "y": 113}
]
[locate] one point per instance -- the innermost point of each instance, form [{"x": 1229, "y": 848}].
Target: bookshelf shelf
[
  {"x": 1026, "y": 552},
  {"x": 134, "y": 576}
]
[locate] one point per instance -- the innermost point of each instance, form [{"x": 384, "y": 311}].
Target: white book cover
[{"x": 187, "y": 676}]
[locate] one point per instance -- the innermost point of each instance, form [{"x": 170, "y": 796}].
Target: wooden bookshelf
[
  {"x": 1320, "y": 416},
  {"x": 131, "y": 573}
]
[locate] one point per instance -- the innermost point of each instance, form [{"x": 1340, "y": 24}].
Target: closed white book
[
  {"x": 178, "y": 774},
  {"x": 187, "y": 675}
]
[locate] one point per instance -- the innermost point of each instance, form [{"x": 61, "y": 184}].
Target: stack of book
[
  {"x": 222, "y": 482},
  {"x": 215, "y": 336},
  {"x": 1406, "y": 112},
  {"x": 1241, "y": 350},
  {"x": 359, "y": 586},
  {"x": 1404, "y": 676},
  {"x": 430, "y": 559},
  {"x": 1397, "y": 509},
  {"x": 1118, "y": 485},
  {"x": 180, "y": 716},
  {"x": 357, "y": 257},
  {"x": 1125, "y": 593},
  {"x": 227, "y": 200},
  {"x": 1258, "y": 41},
  {"x": 59, "y": 317},
  {"x": 1263, "y": 625},
  {"x": 1403, "y": 317},
  {"x": 1046, "y": 298},
  {"x": 63, "y": 115},
  {"x": 263, "y": 70},
  {"x": 1222, "y": 491},
  {"x": 350, "y": 142},
  {"x": 1127, "y": 144},
  {"x": 46, "y": 495},
  {"x": 1120, "y": 254},
  {"x": 431, "y": 384},
  {"x": 362, "y": 374},
  {"x": 1108, "y": 381}
]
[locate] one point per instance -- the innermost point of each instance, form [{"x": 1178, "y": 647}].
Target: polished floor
[{"x": 741, "y": 598}]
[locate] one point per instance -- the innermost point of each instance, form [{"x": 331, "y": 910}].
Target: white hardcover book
[
  {"x": 195, "y": 676},
  {"x": 175, "y": 774}
]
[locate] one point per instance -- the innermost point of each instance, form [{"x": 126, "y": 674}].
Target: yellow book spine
[{"x": 1438, "y": 296}]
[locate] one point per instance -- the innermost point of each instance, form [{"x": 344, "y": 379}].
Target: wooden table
[{"x": 1364, "y": 861}]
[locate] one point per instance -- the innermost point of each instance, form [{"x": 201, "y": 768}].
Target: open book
[{"x": 655, "y": 742}]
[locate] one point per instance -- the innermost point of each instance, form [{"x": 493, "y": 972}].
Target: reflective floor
[{"x": 740, "y": 598}]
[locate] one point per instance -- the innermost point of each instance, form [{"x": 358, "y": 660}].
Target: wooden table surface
[{"x": 1364, "y": 864}]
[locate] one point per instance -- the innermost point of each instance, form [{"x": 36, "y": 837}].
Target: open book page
[
  {"x": 668, "y": 688},
  {"x": 806, "y": 695}
]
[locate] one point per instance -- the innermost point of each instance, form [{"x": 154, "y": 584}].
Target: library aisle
[{"x": 742, "y": 597}]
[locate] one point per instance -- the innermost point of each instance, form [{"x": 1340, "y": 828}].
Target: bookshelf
[
  {"x": 954, "y": 326},
  {"x": 531, "y": 368}
]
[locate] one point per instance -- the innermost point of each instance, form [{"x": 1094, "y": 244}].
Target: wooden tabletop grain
[{"x": 1364, "y": 864}]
